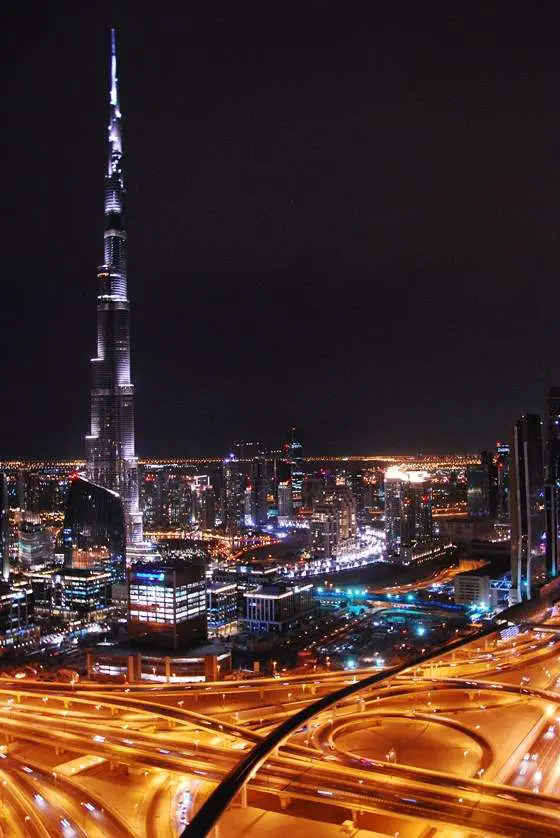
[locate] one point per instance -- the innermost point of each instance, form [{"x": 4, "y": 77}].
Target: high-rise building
[
  {"x": 277, "y": 608},
  {"x": 94, "y": 530},
  {"x": 313, "y": 488},
  {"x": 259, "y": 489},
  {"x": 408, "y": 511},
  {"x": 35, "y": 545},
  {"x": 345, "y": 506},
  {"x": 167, "y": 604},
  {"x": 205, "y": 507},
  {"x": 111, "y": 460},
  {"x": 285, "y": 508},
  {"x": 502, "y": 467},
  {"x": 4, "y": 527},
  {"x": 221, "y": 608},
  {"x": 552, "y": 480},
  {"x": 478, "y": 492},
  {"x": 248, "y": 507},
  {"x": 323, "y": 532},
  {"x": 231, "y": 495},
  {"x": 487, "y": 462},
  {"x": 526, "y": 506},
  {"x": 294, "y": 457},
  {"x": 152, "y": 498}
]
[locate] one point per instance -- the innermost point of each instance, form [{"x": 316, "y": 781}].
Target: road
[{"x": 440, "y": 746}]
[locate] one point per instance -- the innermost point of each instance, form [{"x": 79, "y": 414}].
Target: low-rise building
[
  {"x": 474, "y": 589},
  {"x": 277, "y": 608}
]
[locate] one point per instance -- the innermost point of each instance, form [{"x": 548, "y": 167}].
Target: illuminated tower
[
  {"x": 526, "y": 507},
  {"x": 4, "y": 528},
  {"x": 111, "y": 461}
]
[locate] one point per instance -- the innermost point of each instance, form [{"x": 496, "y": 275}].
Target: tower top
[
  {"x": 114, "y": 81},
  {"x": 115, "y": 137}
]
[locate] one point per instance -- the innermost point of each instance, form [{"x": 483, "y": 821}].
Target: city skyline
[{"x": 290, "y": 207}]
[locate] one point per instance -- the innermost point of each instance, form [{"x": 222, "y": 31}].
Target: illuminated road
[{"x": 465, "y": 744}]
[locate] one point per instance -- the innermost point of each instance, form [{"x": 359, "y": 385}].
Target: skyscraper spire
[{"x": 111, "y": 461}]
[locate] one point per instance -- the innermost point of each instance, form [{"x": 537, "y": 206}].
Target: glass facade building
[
  {"x": 221, "y": 606},
  {"x": 167, "y": 604},
  {"x": 4, "y": 527},
  {"x": 478, "y": 492},
  {"x": 277, "y": 608},
  {"x": 552, "y": 480},
  {"x": 408, "y": 511},
  {"x": 35, "y": 546},
  {"x": 526, "y": 506},
  {"x": 94, "y": 530}
]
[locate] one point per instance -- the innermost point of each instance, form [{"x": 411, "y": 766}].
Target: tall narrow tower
[{"x": 111, "y": 461}]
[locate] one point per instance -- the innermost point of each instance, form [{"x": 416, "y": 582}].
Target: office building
[
  {"x": 35, "y": 545},
  {"x": 293, "y": 454},
  {"x": 323, "y": 532},
  {"x": 222, "y": 609},
  {"x": 18, "y": 632},
  {"x": 526, "y": 506},
  {"x": 111, "y": 460},
  {"x": 72, "y": 595},
  {"x": 167, "y": 604},
  {"x": 478, "y": 492},
  {"x": 231, "y": 496},
  {"x": 408, "y": 511},
  {"x": 94, "y": 530},
  {"x": 487, "y": 462},
  {"x": 552, "y": 481},
  {"x": 285, "y": 509},
  {"x": 277, "y": 608},
  {"x": 259, "y": 489},
  {"x": 474, "y": 589},
  {"x": 4, "y": 527}
]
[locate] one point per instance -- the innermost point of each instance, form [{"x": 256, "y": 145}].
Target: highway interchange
[{"x": 466, "y": 743}]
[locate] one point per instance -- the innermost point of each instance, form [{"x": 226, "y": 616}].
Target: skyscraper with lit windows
[
  {"x": 111, "y": 460},
  {"x": 408, "y": 511},
  {"x": 526, "y": 506},
  {"x": 552, "y": 479},
  {"x": 4, "y": 528}
]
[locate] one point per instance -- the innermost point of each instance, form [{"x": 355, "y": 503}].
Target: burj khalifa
[{"x": 111, "y": 461}]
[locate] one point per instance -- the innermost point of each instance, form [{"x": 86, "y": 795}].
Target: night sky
[{"x": 342, "y": 216}]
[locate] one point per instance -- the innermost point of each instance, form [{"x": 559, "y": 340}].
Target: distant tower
[
  {"x": 502, "y": 464},
  {"x": 526, "y": 506},
  {"x": 552, "y": 480},
  {"x": 4, "y": 527},
  {"x": 408, "y": 511},
  {"x": 111, "y": 461},
  {"x": 293, "y": 453},
  {"x": 259, "y": 488}
]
